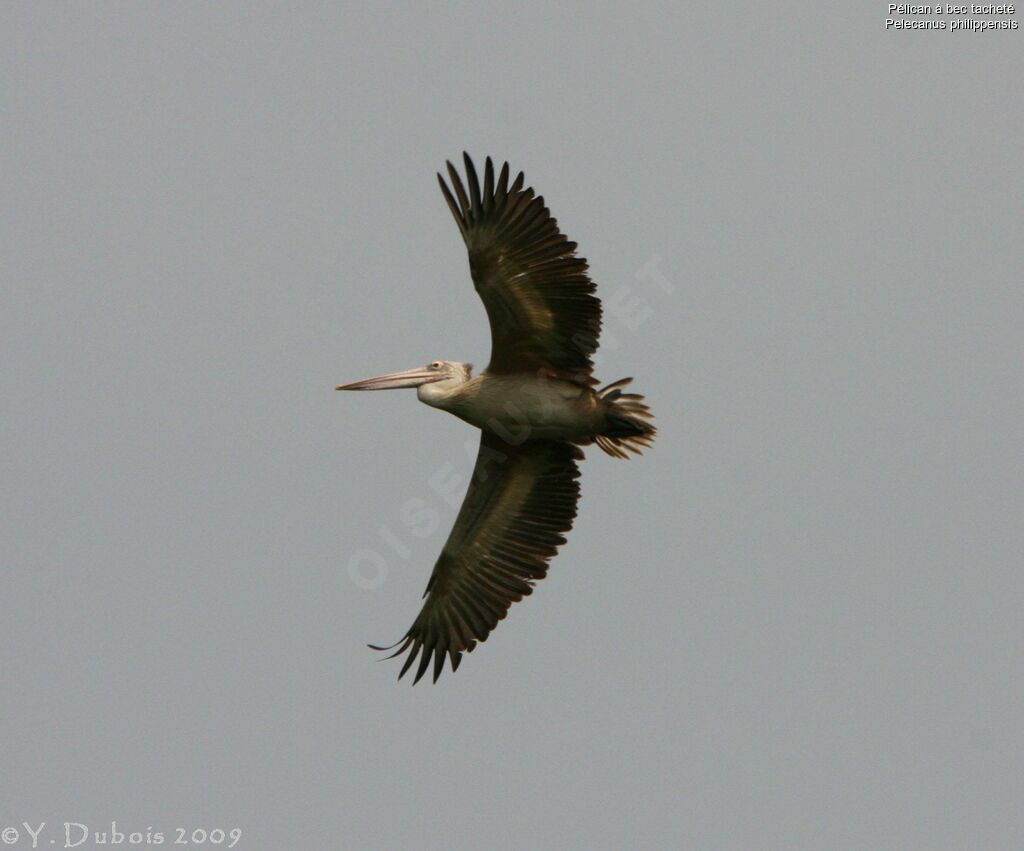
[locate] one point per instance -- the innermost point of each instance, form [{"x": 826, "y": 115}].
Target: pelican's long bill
[{"x": 394, "y": 380}]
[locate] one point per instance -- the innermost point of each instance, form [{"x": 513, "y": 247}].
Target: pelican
[{"x": 535, "y": 404}]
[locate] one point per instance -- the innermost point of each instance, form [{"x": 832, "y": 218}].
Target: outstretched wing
[
  {"x": 520, "y": 501},
  {"x": 539, "y": 299}
]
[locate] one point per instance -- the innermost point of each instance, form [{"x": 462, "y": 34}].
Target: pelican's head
[{"x": 433, "y": 380}]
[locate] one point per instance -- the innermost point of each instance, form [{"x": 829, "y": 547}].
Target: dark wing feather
[
  {"x": 539, "y": 299},
  {"x": 520, "y": 502}
]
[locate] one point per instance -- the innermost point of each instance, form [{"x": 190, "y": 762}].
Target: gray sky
[{"x": 796, "y": 623}]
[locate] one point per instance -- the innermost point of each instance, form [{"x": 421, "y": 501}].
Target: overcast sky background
[{"x": 796, "y": 623}]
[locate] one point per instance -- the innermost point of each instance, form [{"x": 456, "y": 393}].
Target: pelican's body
[
  {"x": 535, "y": 404},
  {"x": 523, "y": 405}
]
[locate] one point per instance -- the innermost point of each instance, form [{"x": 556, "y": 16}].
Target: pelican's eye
[{"x": 436, "y": 365}]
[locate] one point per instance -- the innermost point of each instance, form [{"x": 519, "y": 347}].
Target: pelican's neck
[{"x": 440, "y": 394}]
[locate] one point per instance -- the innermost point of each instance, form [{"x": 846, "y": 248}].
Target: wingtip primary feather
[
  {"x": 488, "y": 185},
  {"x": 424, "y": 664},
  {"x": 410, "y": 659},
  {"x": 460, "y": 190},
  {"x": 439, "y": 654},
  {"x": 502, "y": 189},
  {"x": 475, "y": 200}
]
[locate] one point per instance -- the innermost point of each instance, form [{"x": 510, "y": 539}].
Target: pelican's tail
[{"x": 627, "y": 421}]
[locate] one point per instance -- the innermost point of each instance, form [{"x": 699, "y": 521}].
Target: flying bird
[{"x": 535, "y": 404}]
